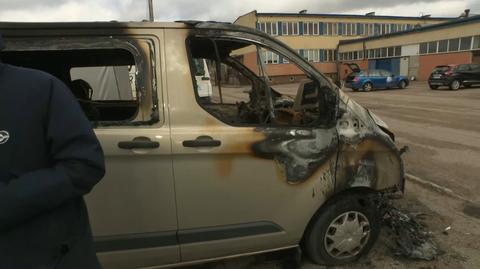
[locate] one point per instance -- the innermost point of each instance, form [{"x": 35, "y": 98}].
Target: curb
[{"x": 435, "y": 187}]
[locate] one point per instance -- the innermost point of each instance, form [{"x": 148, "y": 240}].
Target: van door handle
[
  {"x": 140, "y": 142},
  {"x": 202, "y": 141}
]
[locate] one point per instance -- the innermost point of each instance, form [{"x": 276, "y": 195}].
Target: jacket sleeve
[{"x": 77, "y": 164}]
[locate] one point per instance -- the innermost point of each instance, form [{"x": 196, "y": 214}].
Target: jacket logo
[{"x": 4, "y": 136}]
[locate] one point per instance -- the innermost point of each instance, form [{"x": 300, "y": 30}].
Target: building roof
[
  {"x": 350, "y": 16},
  {"x": 455, "y": 22}
]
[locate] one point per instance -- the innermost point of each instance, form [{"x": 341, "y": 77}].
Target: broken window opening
[
  {"x": 234, "y": 84},
  {"x": 109, "y": 78}
]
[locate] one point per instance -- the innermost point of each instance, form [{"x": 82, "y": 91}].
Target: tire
[
  {"x": 402, "y": 84},
  {"x": 455, "y": 85},
  {"x": 367, "y": 87},
  {"x": 363, "y": 226},
  {"x": 433, "y": 87}
]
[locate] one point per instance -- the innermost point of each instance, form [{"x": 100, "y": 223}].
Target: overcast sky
[{"x": 219, "y": 10}]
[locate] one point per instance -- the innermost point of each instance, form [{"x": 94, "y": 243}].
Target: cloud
[
  {"x": 226, "y": 10},
  {"x": 68, "y": 10}
]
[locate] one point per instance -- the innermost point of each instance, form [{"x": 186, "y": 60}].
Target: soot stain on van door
[{"x": 298, "y": 151}]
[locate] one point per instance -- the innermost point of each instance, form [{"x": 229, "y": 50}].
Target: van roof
[
  {"x": 117, "y": 24},
  {"x": 9, "y": 28}
]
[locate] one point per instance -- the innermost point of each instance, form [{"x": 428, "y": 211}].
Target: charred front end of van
[
  {"x": 331, "y": 135},
  {"x": 367, "y": 155}
]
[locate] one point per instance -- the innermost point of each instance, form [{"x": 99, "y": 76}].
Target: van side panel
[{"x": 229, "y": 199}]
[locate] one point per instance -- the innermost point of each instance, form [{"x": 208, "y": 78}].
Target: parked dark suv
[{"x": 454, "y": 76}]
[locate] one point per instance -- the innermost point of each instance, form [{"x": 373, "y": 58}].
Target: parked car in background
[
  {"x": 454, "y": 76},
  {"x": 368, "y": 80}
]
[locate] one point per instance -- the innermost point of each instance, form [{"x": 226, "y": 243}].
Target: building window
[
  {"x": 360, "y": 29},
  {"x": 315, "y": 28},
  {"x": 269, "y": 57},
  {"x": 349, "y": 29},
  {"x": 476, "y": 42},
  {"x": 330, "y": 28},
  {"x": 453, "y": 44},
  {"x": 342, "y": 28},
  {"x": 323, "y": 28},
  {"x": 377, "y": 53},
  {"x": 423, "y": 48},
  {"x": 443, "y": 45},
  {"x": 311, "y": 55},
  {"x": 383, "y": 29},
  {"x": 274, "y": 28},
  {"x": 370, "y": 54},
  {"x": 432, "y": 47},
  {"x": 295, "y": 28},
  {"x": 270, "y": 28},
  {"x": 371, "y": 29},
  {"x": 334, "y": 28},
  {"x": 377, "y": 29},
  {"x": 316, "y": 57},
  {"x": 290, "y": 28},
  {"x": 398, "y": 51},
  {"x": 390, "y": 51},
  {"x": 308, "y": 55},
  {"x": 384, "y": 52},
  {"x": 393, "y": 28},
  {"x": 466, "y": 43},
  {"x": 308, "y": 28}
]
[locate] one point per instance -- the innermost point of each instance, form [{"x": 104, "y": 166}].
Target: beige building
[
  {"x": 416, "y": 52},
  {"x": 316, "y": 36}
]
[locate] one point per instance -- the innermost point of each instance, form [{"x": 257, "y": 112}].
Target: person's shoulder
[{"x": 28, "y": 74}]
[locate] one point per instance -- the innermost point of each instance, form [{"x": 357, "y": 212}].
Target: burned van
[{"x": 209, "y": 154}]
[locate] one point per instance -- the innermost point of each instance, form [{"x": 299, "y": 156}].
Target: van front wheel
[{"x": 343, "y": 231}]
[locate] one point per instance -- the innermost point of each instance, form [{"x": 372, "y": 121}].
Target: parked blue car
[{"x": 368, "y": 80}]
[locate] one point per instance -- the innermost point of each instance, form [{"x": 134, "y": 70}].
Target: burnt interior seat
[{"x": 84, "y": 92}]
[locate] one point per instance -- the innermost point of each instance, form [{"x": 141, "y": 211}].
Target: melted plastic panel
[
  {"x": 299, "y": 152},
  {"x": 367, "y": 155}
]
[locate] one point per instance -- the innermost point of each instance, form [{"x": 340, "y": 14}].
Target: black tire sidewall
[
  {"x": 365, "y": 89},
  {"x": 453, "y": 81},
  {"x": 315, "y": 247}
]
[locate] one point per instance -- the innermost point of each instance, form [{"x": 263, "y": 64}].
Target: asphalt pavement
[{"x": 441, "y": 128}]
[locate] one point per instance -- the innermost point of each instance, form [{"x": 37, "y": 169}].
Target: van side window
[
  {"x": 109, "y": 84},
  {"x": 105, "y": 93},
  {"x": 237, "y": 83}
]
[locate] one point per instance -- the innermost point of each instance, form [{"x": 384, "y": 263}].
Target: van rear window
[{"x": 105, "y": 81}]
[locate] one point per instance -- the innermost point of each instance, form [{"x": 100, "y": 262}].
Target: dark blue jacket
[{"x": 49, "y": 159}]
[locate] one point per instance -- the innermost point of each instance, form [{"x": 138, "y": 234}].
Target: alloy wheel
[{"x": 347, "y": 235}]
